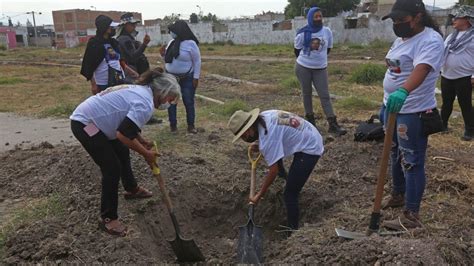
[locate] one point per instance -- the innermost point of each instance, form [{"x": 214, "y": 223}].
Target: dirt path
[{"x": 20, "y": 132}]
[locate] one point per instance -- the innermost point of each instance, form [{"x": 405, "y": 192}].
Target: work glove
[{"x": 396, "y": 100}]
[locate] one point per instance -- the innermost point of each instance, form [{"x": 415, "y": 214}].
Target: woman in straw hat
[{"x": 281, "y": 134}]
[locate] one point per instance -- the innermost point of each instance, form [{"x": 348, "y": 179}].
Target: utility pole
[{"x": 34, "y": 25}]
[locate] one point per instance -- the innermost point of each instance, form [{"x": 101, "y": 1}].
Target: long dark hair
[
  {"x": 428, "y": 21},
  {"x": 182, "y": 30},
  {"x": 148, "y": 76}
]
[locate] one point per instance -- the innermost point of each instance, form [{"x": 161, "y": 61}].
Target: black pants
[
  {"x": 462, "y": 88},
  {"x": 300, "y": 170},
  {"x": 113, "y": 158}
]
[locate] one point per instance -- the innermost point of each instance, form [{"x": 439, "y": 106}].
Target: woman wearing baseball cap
[
  {"x": 414, "y": 62},
  {"x": 281, "y": 134}
]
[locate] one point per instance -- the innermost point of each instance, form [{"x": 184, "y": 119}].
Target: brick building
[{"x": 71, "y": 25}]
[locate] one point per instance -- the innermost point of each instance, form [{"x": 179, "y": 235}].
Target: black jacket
[
  {"x": 95, "y": 54},
  {"x": 132, "y": 52}
]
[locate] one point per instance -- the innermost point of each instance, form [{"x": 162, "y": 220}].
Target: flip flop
[
  {"x": 138, "y": 193},
  {"x": 120, "y": 230}
]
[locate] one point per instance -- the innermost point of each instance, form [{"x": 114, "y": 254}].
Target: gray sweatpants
[{"x": 318, "y": 77}]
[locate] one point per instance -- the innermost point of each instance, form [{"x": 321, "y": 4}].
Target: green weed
[
  {"x": 368, "y": 73},
  {"x": 357, "y": 103},
  {"x": 10, "y": 80},
  {"x": 60, "y": 110}
]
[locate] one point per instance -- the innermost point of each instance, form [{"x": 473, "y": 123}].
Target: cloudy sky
[{"x": 150, "y": 9}]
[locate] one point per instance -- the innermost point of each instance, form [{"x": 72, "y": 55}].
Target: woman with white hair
[
  {"x": 109, "y": 123},
  {"x": 457, "y": 74}
]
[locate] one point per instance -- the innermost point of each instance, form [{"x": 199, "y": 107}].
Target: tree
[
  {"x": 171, "y": 18},
  {"x": 330, "y": 8},
  {"x": 209, "y": 17},
  {"x": 466, "y": 2},
  {"x": 193, "y": 18}
]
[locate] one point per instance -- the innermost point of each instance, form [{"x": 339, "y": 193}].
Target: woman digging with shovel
[
  {"x": 109, "y": 123},
  {"x": 281, "y": 134}
]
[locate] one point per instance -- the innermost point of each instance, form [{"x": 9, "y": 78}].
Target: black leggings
[
  {"x": 462, "y": 88},
  {"x": 300, "y": 170},
  {"x": 113, "y": 158}
]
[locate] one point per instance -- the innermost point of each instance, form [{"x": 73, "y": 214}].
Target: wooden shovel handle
[
  {"x": 387, "y": 146},
  {"x": 253, "y": 176},
  {"x": 161, "y": 182}
]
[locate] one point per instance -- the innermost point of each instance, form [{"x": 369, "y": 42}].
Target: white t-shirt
[
  {"x": 101, "y": 73},
  {"x": 424, "y": 48},
  {"x": 318, "y": 56},
  {"x": 287, "y": 134},
  {"x": 189, "y": 59},
  {"x": 109, "y": 108},
  {"x": 459, "y": 64}
]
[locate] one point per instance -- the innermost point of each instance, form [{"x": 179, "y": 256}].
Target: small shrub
[
  {"x": 3, "y": 47},
  {"x": 379, "y": 44},
  {"x": 211, "y": 48},
  {"x": 357, "y": 103},
  {"x": 229, "y": 42},
  {"x": 355, "y": 46},
  {"x": 10, "y": 80},
  {"x": 60, "y": 110},
  {"x": 229, "y": 108},
  {"x": 290, "y": 83},
  {"x": 368, "y": 74}
]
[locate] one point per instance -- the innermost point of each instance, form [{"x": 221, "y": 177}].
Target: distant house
[
  {"x": 7, "y": 37},
  {"x": 270, "y": 16},
  {"x": 71, "y": 25}
]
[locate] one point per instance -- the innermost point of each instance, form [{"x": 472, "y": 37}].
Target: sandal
[
  {"x": 138, "y": 193},
  {"x": 116, "y": 230}
]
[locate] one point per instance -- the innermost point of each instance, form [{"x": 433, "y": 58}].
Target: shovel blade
[
  {"x": 186, "y": 250},
  {"x": 250, "y": 245},
  {"x": 348, "y": 234}
]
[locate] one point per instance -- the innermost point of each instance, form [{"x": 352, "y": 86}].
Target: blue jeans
[
  {"x": 300, "y": 170},
  {"x": 408, "y": 158},
  {"x": 187, "y": 93}
]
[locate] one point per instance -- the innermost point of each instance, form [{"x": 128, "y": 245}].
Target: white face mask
[
  {"x": 164, "y": 106},
  {"x": 173, "y": 35}
]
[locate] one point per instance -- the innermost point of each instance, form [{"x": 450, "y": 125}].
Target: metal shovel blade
[
  {"x": 250, "y": 245},
  {"x": 186, "y": 250},
  {"x": 357, "y": 235}
]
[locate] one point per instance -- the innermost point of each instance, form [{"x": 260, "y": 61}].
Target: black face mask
[
  {"x": 403, "y": 30},
  {"x": 317, "y": 23}
]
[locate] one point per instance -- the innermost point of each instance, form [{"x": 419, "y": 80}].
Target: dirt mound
[{"x": 209, "y": 187}]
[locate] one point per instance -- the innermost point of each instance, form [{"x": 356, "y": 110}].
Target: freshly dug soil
[{"x": 209, "y": 188}]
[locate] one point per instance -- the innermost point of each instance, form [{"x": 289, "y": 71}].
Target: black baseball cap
[{"x": 403, "y": 8}]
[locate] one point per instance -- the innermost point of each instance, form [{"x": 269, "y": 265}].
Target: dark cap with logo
[{"x": 403, "y": 8}]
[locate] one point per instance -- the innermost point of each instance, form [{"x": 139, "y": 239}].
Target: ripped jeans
[{"x": 408, "y": 158}]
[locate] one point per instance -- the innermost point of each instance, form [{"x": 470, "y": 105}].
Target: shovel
[
  {"x": 374, "y": 224},
  {"x": 250, "y": 245},
  {"x": 185, "y": 250}
]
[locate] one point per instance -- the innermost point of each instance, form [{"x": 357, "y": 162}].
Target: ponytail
[{"x": 429, "y": 22}]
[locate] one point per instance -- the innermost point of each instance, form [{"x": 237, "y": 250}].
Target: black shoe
[
  {"x": 468, "y": 136},
  {"x": 192, "y": 130},
  {"x": 173, "y": 128},
  {"x": 154, "y": 120},
  {"x": 310, "y": 118},
  {"x": 335, "y": 128}
]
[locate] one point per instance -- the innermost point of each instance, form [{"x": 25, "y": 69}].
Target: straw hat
[{"x": 240, "y": 121}]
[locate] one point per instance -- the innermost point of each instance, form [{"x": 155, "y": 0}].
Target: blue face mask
[{"x": 173, "y": 35}]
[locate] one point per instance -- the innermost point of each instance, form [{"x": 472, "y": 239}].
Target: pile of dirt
[{"x": 210, "y": 188}]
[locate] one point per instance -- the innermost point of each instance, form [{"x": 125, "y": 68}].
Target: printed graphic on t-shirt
[
  {"x": 111, "y": 89},
  {"x": 393, "y": 65},
  {"x": 111, "y": 54},
  {"x": 316, "y": 44},
  {"x": 290, "y": 119}
]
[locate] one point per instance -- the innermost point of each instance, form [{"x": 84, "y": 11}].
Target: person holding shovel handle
[
  {"x": 109, "y": 123},
  {"x": 281, "y": 134},
  {"x": 414, "y": 62}
]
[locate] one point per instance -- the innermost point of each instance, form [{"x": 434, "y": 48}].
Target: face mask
[
  {"x": 317, "y": 23},
  {"x": 112, "y": 33},
  {"x": 403, "y": 30},
  {"x": 250, "y": 139},
  {"x": 164, "y": 106},
  {"x": 134, "y": 33},
  {"x": 173, "y": 35}
]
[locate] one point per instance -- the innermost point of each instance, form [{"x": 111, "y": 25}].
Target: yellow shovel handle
[
  {"x": 253, "y": 161},
  {"x": 156, "y": 169}
]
